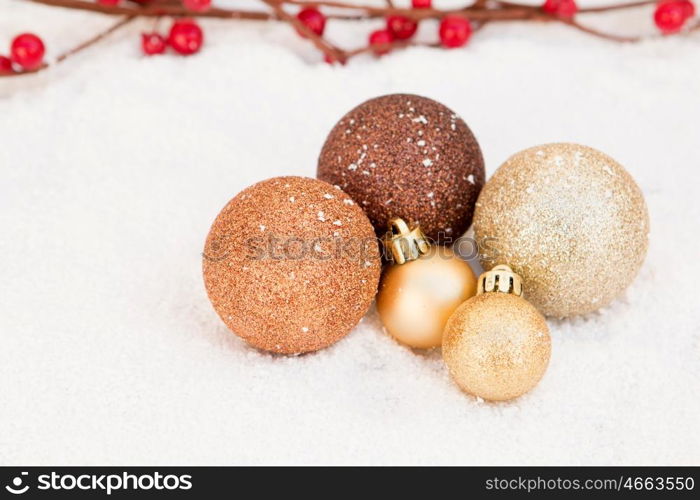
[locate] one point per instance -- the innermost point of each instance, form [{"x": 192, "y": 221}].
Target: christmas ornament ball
[
  {"x": 567, "y": 218},
  {"x": 417, "y": 297},
  {"x": 496, "y": 346},
  {"x": 406, "y": 156},
  {"x": 291, "y": 264}
]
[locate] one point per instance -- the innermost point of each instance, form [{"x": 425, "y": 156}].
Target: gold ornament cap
[
  {"x": 501, "y": 279},
  {"x": 403, "y": 243}
]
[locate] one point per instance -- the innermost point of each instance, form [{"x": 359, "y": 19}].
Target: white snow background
[{"x": 113, "y": 166}]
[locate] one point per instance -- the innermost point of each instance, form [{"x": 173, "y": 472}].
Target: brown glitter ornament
[
  {"x": 291, "y": 264},
  {"x": 406, "y": 156},
  {"x": 570, "y": 220},
  {"x": 497, "y": 345}
]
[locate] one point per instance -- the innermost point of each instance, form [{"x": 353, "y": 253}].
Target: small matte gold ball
[
  {"x": 569, "y": 220},
  {"x": 416, "y": 298},
  {"x": 496, "y": 346}
]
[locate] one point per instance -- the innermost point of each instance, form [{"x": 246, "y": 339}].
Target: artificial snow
[{"x": 114, "y": 165}]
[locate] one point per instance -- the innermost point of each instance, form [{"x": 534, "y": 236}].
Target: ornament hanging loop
[
  {"x": 404, "y": 244},
  {"x": 500, "y": 279}
]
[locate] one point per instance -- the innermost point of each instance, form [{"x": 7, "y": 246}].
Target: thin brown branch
[
  {"x": 477, "y": 10},
  {"x": 479, "y": 26},
  {"x": 599, "y": 34},
  {"x": 377, "y": 11},
  {"x": 622, "y": 6},
  {"x": 398, "y": 44},
  {"x": 84, "y": 45},
  {"x": 25, "y": 71},
  {"x": 92, "y": 41},
  {"x": 331, "y": 51},
  {"x": 155, "y": 10}
]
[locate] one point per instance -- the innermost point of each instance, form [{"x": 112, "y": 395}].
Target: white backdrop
[{"x": 112, "y": 167}]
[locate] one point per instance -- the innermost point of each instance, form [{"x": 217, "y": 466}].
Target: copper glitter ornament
[
  {"x": 497, "y": 345},
  {"x": 406, "y": 156},
  {"x": 570, "y": 220},
  {"x": 422, "y": 288},
  {"x": 291, "y": 264}
]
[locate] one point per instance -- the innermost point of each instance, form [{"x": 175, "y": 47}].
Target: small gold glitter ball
[
  {"x": 570, "y": 220},
  {"x": 291, "y": 264},
  {"x": 416, "y": 298},
  {"x": 496, "y": 346}
]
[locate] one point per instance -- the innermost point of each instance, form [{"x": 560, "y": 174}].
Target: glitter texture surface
[
  {"x": 291, "y": 264},
  {"x": 570, "y": 220},
  {"x": 406, "y": 156},
  {"x": 496, "y": 346}
]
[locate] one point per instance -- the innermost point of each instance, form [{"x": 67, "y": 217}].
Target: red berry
[
  {"x": 422, "y": 4},
  {"x": 108, "y": 3},
  {"x": 153, "y": 43},
  {"x": 378, "y": 39},
  {"x": 27, "y": 51},
  {"x": 455, "y": 31},
  {"x": 196, "y": 5},
  {"x": 670, "y": 16},
  {"x": 401, "y": 27},
  {"x": 561, "y": 8},
  {"x": 313, "y": 19},
  {"x": 5, "y": 65},
  {"x": 689, "y": 8},
  {"x": 185, "y": 37}
]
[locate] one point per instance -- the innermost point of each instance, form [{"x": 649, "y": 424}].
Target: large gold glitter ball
[
  {"x": 570, "y": 220},
  {"x": 496, "y": 346},
  {"x": 291, "y": 264},
  {"x": 407, "y": 156}
]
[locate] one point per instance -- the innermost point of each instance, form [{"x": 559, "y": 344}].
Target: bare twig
[
  {"x": 600, "y": 34},
  {"x": 84, "y": 45},
  {"x": 155, "y": 10},
  {"x": 608, "y": 8},
  {"x": 332, "y": 52},
  {"x": 87, "y": 43}
]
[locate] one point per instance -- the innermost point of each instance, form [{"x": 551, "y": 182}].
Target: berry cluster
[
  {"x": 26, "y": 54},
  {"x": 454, "y": 30},
  {"x": 185, "y": 37}
]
